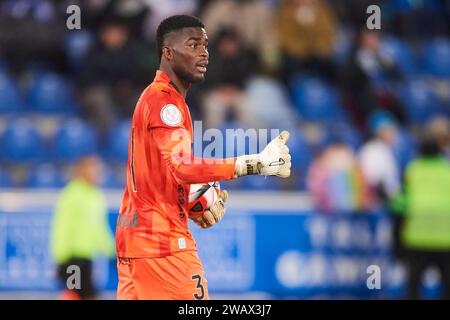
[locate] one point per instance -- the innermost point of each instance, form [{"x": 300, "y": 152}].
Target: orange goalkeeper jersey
[{"x": 153, "y": 218}]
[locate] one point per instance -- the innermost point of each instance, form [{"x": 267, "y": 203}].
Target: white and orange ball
[{"x": 202, "y": 197}]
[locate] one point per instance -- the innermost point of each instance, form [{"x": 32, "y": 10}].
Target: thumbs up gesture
[{"x": 274, "y": 160}]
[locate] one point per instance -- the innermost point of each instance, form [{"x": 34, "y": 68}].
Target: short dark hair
[
  {"x": 429, "y": 147},
  {"x": 175, "y": 23}
]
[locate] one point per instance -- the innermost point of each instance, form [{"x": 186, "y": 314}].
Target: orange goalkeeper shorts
[{"x": 176, "y": 277}]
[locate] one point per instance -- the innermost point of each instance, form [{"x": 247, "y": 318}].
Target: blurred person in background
[
  {"x": 230, "y": 67},
  {"x": 112, "y": 75},
  {"x": 306, "y": 31},
  {"x": 132, "y": 12},
  {"x": 381, "y": 170},
  {"x": 253, "y": 21},
  {"x": 426, "y": 229},
  {"x": 377, "y": 159},
  {"x": 439, "y": 128},
  {"x": 366, "y": 79},
  {"x": 80, "y": 228},
  {"x": 336, "y": 181},
  {"x": 268, "y": 102}
]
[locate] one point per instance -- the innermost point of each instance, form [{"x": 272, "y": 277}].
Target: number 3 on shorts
[{"x": 199, "y": 286}]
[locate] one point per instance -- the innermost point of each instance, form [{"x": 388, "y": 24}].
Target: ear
[{"x": 167, "y": 53}]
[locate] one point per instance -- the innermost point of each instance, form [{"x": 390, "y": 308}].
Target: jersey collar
[{"x": 161, "y": 76}]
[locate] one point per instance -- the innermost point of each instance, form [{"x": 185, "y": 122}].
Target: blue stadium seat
[
  {"x": 117, "y": 149},
  {"x": 407, "y": 6},
  {"x": 346, "y": 133},
  {"x": 51, "y": 93},
  {"x": 400, "y": 53},
  {"x": 109, "y": 180},
  {"x": 77, "y": 45},
  {"x": 45, "y": 176},
  {"x": 5, "y": 179},
  {"x": 315, "y": 100},
  {"x": 436, "y": 57},
  {"x": 302, "y": 156},
  {"x": 300, "y": 181},
  {"x": 75, "y": 138},
  {"x": 268, "y": 102},
  {"x": 10, "y": 100},
  {"x": 419, "y": 100},
  {"x": 22, "y": 142}
]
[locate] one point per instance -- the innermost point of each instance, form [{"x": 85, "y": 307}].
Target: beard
[{"x": 188, "y": 77}]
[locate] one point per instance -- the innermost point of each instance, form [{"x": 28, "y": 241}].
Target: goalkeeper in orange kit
[{"x": 157, "y": 255}]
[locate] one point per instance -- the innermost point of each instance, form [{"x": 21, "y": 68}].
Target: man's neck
[{"x": 180, "y": 85}]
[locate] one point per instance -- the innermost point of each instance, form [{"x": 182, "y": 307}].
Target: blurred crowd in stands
[{"x": 357, "y": 101}]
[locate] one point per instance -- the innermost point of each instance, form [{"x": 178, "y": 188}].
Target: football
[{"x": 203, "y": 196}]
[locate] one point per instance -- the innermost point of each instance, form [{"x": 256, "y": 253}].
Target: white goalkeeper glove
[
  {"x": 214, "y": 214},
  {"x": 274, "y": 160}
]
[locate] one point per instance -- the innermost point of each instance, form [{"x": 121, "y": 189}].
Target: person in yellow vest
[
  {"x": 80, "y": 229},
  {"x": 426, "y": 228}
]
